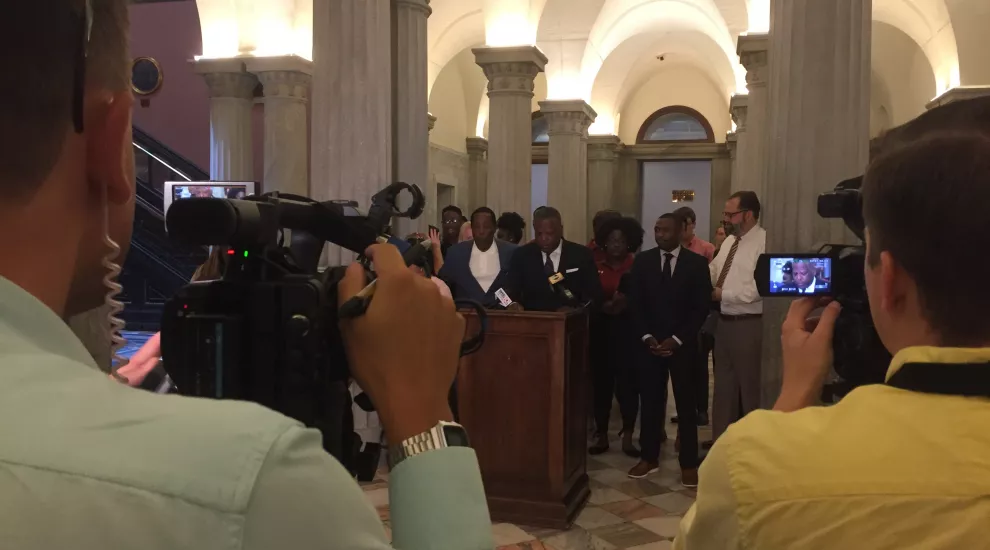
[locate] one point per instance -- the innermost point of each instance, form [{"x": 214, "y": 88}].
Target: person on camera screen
[
  {"x": 906, "y": 463},
  {"x": 87, "y": 462}
]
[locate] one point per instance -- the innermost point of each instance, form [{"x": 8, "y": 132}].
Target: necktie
[
  {"x": 665, "y": 274},
  {"x": 548, "y": 266},
  {"x": 728, "y": 263}
]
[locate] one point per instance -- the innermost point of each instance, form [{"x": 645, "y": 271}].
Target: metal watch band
[{"x": 429, "y": 440}]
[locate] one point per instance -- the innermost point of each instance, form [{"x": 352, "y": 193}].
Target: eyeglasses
[
  {"x": 451, "y": 222},
  {"x": 85, "y": 27},
  {"x": 732, "y": 214}
]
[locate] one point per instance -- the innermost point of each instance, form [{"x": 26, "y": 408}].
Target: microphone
[{"x": 555, "y": 281}]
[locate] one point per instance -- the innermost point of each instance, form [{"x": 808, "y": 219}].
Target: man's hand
[
  {"x": 409, "y": 378},
  {"x": 717, "y": 294},
  {"x": 654, "y": 346},
  {"x": 435, "y": 237},
  {"x": 807, "y": 352},
  {"x": 668, "y": 346},
  {"x": 515, "y": 306},
  {"x": 619, "y": 303}
]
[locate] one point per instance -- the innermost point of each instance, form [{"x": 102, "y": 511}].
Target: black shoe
[
  {"x": 703, "y": 418},
  {"x": 705, "y": 445},
  {"x": 600, "y": 446}
]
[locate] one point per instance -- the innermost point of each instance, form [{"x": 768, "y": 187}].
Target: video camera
[
  {"x": 837, "y": 271},
  {"x": 267, "y": 331}
]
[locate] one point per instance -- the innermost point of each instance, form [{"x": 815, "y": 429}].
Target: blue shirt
[{"x": 86, "y": 462}]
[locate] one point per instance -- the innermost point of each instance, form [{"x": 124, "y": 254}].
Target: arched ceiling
[
  {"x": 454, "y": 26},
  {"x": 256, "y": 27},
  {"x": 635, "y": 61},
  {"x": 927, "y": 22}
]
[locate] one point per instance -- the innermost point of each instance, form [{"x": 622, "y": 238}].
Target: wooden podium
[{"x": 523, "y": 400}]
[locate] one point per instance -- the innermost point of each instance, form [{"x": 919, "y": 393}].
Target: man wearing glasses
[{"x": 739, "y": 337}]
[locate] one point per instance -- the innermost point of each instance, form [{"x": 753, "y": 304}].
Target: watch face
[{"x": 455, "y": 436}]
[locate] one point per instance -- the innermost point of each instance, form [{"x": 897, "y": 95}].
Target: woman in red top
[{"x": 610, "y": 339}]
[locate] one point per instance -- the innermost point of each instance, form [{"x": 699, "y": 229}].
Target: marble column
[
  {"x": 231, "y": 91},
  {"x": 959, "y": 93},
  {"x": 603, "y": 166},
  {"x": 567, "y": 171},
  {"x": 511, "y": 72},
  {"x": 410, "y": 132},
  {"x": 818, "y": 133},
  {"x": 741, "y": 173},
  {"x": 351, "y": 112},
  {"x": 477, "y": 150},
  {"x": 286, "y": 81},
  {"x": 753, "y": 54}
]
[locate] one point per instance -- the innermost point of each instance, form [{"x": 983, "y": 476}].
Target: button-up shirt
[
  {"x": 554, "y": 256},
  {"x": 883, "y": 468},
  {"x": 484, "y": 265},
  {"x": 673, "y": 265},
  {"x": 702, "y": 247},
  {"x": 739, "y": 293},
  {"x": 86, "y": 462}
]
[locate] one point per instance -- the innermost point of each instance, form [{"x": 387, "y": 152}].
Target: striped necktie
[{"x": 728, "y": 263}]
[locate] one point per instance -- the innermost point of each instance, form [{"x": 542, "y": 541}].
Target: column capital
[
  {"x": 958, "y": 93},
  {"x": 431, "y": 121},
  {"x": 286, "y": 77},
  {"x": 571, "y": 116},
  {"x": 510, "y": 70},
  {"x": 605, "y": 147},
  {"x": 476, "y": 146},
  {"x": 226, "y": 78},
  {"x": 731, "y": 141},
  {"x": 753, "y": 50},
  {"x": 739, "y": 107},
  {"x": 421, "y": 5}
]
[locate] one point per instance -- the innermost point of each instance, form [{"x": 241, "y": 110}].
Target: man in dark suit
[
  {"x": 550, "y": 273},
  {"x": 476, "y": 269},
  {"x": 670, "y": 296}
]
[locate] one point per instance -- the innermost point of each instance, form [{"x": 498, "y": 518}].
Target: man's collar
[
  {"x": 676, "y": 252},
  {"x": 557, "y": 250},
  {"x": 930, "y": 354},
  {"x": 26, "y": 321}
]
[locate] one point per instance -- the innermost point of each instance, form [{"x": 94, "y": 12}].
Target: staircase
[{"x": 156, "y": 267}]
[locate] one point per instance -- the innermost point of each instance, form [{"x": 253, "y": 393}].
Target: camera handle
[{"x": 474, "y": 344}]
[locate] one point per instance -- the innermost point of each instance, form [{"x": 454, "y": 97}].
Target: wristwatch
[{"x": 444, "y": 434}]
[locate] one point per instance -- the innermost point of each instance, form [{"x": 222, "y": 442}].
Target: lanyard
[{"x": 962, "y": 379}]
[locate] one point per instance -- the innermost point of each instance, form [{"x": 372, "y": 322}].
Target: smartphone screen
[{"x": 795, "y": 275}]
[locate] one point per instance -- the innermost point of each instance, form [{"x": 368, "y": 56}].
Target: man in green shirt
[{"x": 86, "y": 462}]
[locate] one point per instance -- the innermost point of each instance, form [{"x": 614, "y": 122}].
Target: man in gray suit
[{"x": 475, "y": 270}]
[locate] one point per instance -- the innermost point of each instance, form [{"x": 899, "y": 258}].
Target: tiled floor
[{"x": 621, "y": 513}]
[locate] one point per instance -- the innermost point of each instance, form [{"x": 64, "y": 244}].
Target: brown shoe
[
  {"x": 689, "y": 478},
  {"x": 643, "y": 469}
]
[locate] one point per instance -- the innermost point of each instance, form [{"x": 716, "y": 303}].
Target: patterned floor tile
[
  {"x": 639, "y": 488},
  {"x": 593, "y": 517},
  {"x": 673, "y": 503},
  {"x": 603, "y": 496},
  {"x": 596, "y": 465},
  {"x": 577, "y": 539},
  {"x": 666, "y": 527},
  {"x": 529, "y": 545},
  {"x": 662, "y": 545},
  {"x": 611, "y": 477},
  {"x": 506, "y": 534},
  {"x": 625, "y": 535},
  {"x": 618, "y": 460},
  {"x": 630, "y": 510},
  {"x": 540, "y": 532},
  {"x": 384, "y": 514}
]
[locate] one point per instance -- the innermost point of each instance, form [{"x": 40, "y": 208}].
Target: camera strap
[{"x": 962, "y": 379}]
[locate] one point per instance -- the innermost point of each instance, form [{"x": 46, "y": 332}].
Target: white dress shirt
[
  {"x": 739, "y": 294},
  {"x": 554, "y": 256},
  {"x": 673, "y": 265},
  {"x": 485, "y": 265},
  {"x": 810, "y": 288}
]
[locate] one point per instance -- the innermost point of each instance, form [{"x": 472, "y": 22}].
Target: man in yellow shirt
[
  {"x": 905, "y": 464},
  {"x": 86, "y": 462}
]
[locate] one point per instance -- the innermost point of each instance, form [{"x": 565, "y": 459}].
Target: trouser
[
  {"x": 609, "y": 370},
  {"x": 653, "y": 373},
  {"x": 738, "y": 351},
  {"x": 706, "y": 344}
]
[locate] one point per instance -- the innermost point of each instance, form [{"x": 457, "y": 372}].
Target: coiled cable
[{"x": 113, "y": 306}]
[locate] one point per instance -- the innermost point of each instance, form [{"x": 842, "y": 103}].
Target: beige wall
[
  {"x": 447, "y": 103},
  {"x": 908, "y": 80},
  {"x": 450, "y": 167},
  {"x": 678, "y": 85}
]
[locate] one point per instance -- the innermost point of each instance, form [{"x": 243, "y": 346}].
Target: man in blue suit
[{"x": 475, "y": 269}]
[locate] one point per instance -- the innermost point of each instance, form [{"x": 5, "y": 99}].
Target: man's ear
[
  {"x": 893, "y": 283},
  {"x": 108, "y": 145}
]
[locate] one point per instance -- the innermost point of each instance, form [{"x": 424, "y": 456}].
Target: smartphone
[
  {"x": 779, "y": 275},
  {"x": 433, "y": 228}
]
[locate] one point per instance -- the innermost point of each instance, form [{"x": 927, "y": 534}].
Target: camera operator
[
  {"x": 904, "y": 464},
  {"x": 86, "y": 462}
]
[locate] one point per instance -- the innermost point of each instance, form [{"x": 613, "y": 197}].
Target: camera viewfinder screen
[
  {"x": 217, "y": 191},
  {"x": 795, "y": 276}
]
